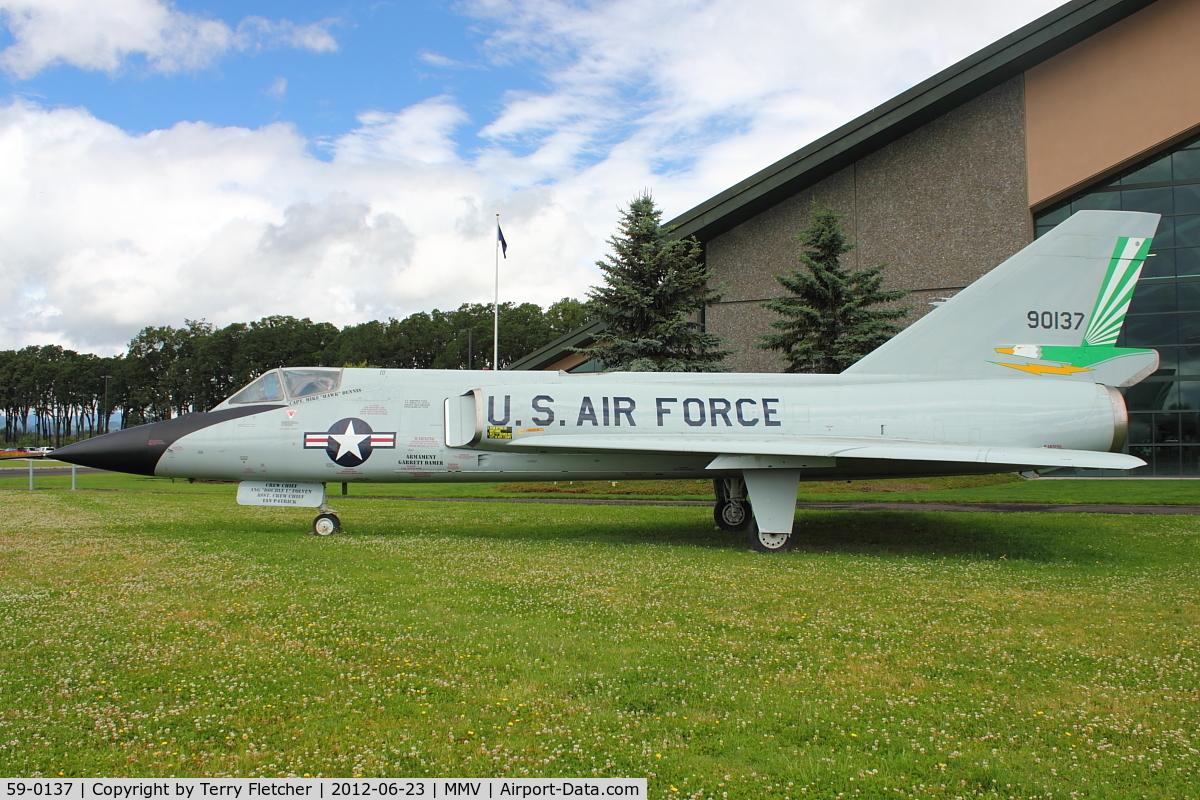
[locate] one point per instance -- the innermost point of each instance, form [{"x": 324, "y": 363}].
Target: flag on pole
[{"x": 500, "y": 238}]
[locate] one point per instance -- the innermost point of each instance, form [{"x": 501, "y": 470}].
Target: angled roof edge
[
  {"x": 548, "y": 354},
  {"x": 986, "y": 69}
]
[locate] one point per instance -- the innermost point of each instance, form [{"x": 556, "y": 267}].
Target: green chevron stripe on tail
[{"x": 1117, "y": 291}]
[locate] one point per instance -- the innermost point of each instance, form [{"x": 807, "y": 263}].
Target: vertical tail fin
[{"x": 1054, "y": 310}]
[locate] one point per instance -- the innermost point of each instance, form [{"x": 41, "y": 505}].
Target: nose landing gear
[{"x": 327, "y": 521}]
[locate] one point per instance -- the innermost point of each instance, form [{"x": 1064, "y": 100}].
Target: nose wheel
[{"x": 326, "y": 523}]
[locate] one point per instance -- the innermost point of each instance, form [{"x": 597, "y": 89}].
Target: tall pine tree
[
  {"x": 830, "y": 318},
  {"x": 655, "y": 289}
]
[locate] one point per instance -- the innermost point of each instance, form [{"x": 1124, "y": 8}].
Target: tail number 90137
[{"x": 1055, "y": 320}]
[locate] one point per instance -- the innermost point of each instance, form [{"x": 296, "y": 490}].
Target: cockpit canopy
[{"x": 279, "y": 385}]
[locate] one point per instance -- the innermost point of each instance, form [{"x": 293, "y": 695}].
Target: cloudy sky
[{"x": 344, "y": 160}]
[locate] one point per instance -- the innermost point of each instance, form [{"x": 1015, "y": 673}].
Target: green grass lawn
[
  {"x": 893, "y": 654},
  {"x": 963, "y": 489}
]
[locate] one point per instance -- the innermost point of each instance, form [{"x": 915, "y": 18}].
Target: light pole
[
  {"x": 470, "y": 346},
  {"x": 106, "y": 377}
]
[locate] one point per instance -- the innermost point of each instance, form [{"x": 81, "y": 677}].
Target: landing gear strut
[{"x": 732, "y": 512}]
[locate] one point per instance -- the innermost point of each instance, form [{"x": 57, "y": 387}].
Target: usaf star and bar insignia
[{"x": 349, "y": 442}]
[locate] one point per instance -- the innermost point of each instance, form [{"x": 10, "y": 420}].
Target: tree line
[{"x": 51, "y": 394}]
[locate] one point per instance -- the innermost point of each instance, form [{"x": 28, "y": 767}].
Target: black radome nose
[
  {"x": 137, "y": 450},
  {"x": 129, "y": 450}
]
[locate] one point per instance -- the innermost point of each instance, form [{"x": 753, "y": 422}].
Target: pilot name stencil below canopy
[{"x": 1016, "y": 372}]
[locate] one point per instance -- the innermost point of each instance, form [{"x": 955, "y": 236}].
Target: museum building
[{"x": 1095, "y": 105}]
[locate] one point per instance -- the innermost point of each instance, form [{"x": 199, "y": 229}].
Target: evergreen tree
[
  {"x": 830, "y": 316},
  {"x": 655, "y": 289}
]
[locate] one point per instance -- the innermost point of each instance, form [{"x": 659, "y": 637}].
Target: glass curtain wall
[{"x": 1164, "y": 409}]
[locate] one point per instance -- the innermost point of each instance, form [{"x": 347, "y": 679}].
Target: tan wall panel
[
  {"x": 746, "y": 259},
  {"x": 741, "y": 325},
  {"x": 946, "y": 203},
  {"x": 1120, "y": 94}
]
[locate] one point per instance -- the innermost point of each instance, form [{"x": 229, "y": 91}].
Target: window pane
[
  {"x": 1189, "y": 329},
  {"x": 1187, "y": 199},
  {"x": 305, "y": 382},
  {"x": 1147, "y": 396},
  {"x": 1168, "y": 360},
  {"x": 1154, "y": 172},
  {"x": 1166, "y": 429},
  {"x": 1141, "y": 428},
  {"x": 1187, "y": 231},
  {"x": 1189, "y": 360},
  {"x": 1160, "y": 264},
  {"x": 1145, "y": 454},
  {"x": 1154, "y": 201},
  {"x": 1189, "y": 461},
  {"x": 594, "y": 365},
  {"x": 1052, "y": 218},
  {"x": 1102, "y": 201},
  {"x": 1042, "y": 230},
  {"x": 1189, "y": 427},
  {"x": 1189, "y": 395},
  {"x": 1166, "y": 462},
  {"x": 1186, "y": 164},
  {"x": 265, "y": 389},
  {"x": 1189, "y": 295},
  {"x": 1150, "y": 330},
  {"x": 1187, "y": 261},
  {"x": 1149, "y": 298},
  {"x": 1165, "y": 235}
]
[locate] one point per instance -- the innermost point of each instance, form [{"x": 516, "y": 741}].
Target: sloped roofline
[
  {"x": 546, "y": 355},
  {"x": 986, "y": 69}
]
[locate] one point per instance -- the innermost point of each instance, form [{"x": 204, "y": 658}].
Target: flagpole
[{"x": 496, "y": 305}]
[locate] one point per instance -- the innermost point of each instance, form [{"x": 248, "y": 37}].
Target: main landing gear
[
  {"x": 767, "y": 542},
  {"x": 733, "y": 513}
]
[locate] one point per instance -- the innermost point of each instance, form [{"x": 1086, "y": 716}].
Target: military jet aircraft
[{"x": 1016, "y": 372}]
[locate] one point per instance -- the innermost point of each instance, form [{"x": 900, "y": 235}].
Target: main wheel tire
[
  {"x": 732, "y": 516},
  {"x": 767, "y": 542},
  {"x": 326, "y": 524}
]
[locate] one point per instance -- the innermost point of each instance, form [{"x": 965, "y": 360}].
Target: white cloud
[
  {"x": 103, "y": 35},
  {"x": 718, "y": 88},
  {"x": 437, "y": 60},
  {"x": 257, "y": 33},
  {"x": 277, "y": 89},
  {"x": 419, "y": 133},
  {"x": 103, "y": 232}
]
